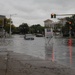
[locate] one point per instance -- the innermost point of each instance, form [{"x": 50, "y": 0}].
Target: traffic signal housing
[
  {"x": 70, "y": 22},
  {"x": 70, "y": 25},
  {"x": 53, "y": 15}
]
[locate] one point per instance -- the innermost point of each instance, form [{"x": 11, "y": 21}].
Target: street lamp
[{"x": 10, "y": 23}]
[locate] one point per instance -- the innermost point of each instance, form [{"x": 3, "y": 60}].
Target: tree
[
  {"x": 69, "y": 27},
  {"x": 15, "y": 30},
  {"x": 24, "y": 28},
  {"x": 7, "y": 25},
  {"x": 37, "y": 28}
]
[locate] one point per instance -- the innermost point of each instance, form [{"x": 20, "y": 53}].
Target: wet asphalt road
[{"x": 55, "y": 49}]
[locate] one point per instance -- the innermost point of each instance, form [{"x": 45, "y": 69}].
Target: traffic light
[
  {"x": 70, "y": 23},
  {"x": 70, "y": 27},
  {"x": 53, "y": 15}
]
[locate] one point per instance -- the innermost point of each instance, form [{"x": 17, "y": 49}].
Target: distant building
[
  {"x": 48, "y": 23},
  {"x": 2, "y": 23},
  {"x": 62, "y": 21},
  {"x": 2, "y": 19}
]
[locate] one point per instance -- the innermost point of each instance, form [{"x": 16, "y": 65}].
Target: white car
[
  {"x": 29, "y": 37},
  {"x": 57, "y": 33}
]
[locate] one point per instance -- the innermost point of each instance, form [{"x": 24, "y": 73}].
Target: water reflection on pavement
[
  {"x": 34, "y": 47},
  {"x": 55, "y": 49},
  {"x": 64, "y": 51}
]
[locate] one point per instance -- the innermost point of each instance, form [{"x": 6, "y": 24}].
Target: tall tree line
[{"x": 23, "y": 28}]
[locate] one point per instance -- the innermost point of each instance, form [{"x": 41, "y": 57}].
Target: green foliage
[
  {"x": 36, "y": 29},
  {"x": 7, "y": 25},
  {"x": 16, "y": 30},
  {"x": 69, "y": 26},
  {"x": 24, "y": 28}
]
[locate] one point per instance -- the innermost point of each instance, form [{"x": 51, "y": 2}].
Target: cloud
[{"x": 35, "y": 11}]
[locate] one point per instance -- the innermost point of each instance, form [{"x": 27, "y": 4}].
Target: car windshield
[{"x": 37, "y": 37}]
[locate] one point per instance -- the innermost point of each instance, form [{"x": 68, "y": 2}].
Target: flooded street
[
  {"x": 64, "y": 52},
  {"x": 54, "y": 49},
  {"x": 34, "y": 47}
]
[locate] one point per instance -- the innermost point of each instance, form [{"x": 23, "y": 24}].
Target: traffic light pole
[
  {"x": 64, "y": 14},
  {"x": 54, "y": 15}
]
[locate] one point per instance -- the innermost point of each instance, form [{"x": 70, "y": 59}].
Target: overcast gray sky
[{"x": 35, "y": 11}]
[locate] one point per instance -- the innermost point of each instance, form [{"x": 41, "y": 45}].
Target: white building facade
[
  {"x": 62, "y": 21},
  {"x": 49, "y": 25}
]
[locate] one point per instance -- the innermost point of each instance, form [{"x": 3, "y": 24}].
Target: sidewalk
[{"x": 20, "y": 64}]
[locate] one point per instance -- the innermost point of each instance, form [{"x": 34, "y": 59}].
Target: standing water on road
[
  {"x": 64, "y": 51},
  {"x": 34, "y": 47},
  {"x": 54, "y": 49}
]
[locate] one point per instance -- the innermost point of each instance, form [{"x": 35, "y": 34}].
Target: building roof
[
  {"x": 48, "y": 20},
  {"x": 2, "y": 16}
]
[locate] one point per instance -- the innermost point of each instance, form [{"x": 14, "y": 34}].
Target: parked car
[
  {"x": 39, "y": 35},
  {"x": 29, "y": 37},
  {"x": 57, "y": 33}
]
